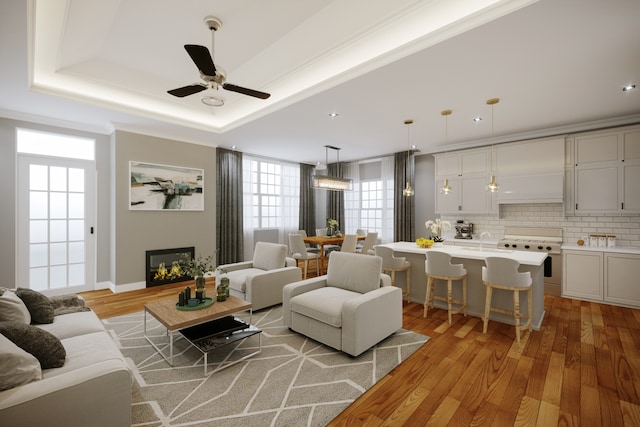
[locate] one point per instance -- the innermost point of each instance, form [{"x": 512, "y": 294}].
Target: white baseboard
[{"x": 127, "y": 287}]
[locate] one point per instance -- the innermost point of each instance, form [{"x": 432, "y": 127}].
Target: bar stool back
[
  {"x": 502, "y": 273},
  {"x": 391, "y": 264},
  {"x": 438, "y": 266}
]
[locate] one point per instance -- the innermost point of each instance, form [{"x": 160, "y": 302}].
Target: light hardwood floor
[{"x": 582, "y": 368}]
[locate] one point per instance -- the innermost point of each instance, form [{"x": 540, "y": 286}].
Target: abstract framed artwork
[{"x": 155, "y": 187}]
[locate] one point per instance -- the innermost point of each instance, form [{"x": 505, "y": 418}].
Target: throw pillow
[
  {"x": 17, "y": 367},
  {"x": 12, "y": 308},
  {"x": 42, "y": 344},
  {"x": 65, "y": 304},
  {"x": 38, "y": 304}
]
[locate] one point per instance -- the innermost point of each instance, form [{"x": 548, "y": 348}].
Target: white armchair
[
  {"x": 351, "y": 308},
  {"x": 262, "y": 279}
]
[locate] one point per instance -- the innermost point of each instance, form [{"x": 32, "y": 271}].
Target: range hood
[{"x": 531, "y": 188}]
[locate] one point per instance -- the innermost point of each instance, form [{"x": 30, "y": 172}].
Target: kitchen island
[{"x": 473, "y": 259}]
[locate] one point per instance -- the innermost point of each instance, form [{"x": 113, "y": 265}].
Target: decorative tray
[{"x": 208, "y": 302}]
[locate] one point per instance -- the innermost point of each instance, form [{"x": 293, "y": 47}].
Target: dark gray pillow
[
  {"x": 45, "y": 346},
  {"x": 38, "y": 305}
]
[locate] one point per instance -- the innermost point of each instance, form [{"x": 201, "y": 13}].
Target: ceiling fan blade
[
  {"x": 202, "y": 58},
  {"x": 181, "y": 92},
  {"x": 245, "y": 91}
]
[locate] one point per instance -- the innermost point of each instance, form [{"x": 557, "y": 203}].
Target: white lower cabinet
[
  {"x": 601, "y": 276},
  {"x": 622, "y": 273},
  {"x": 583, "y": 276}
]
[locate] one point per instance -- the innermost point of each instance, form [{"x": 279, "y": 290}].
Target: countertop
[
  {"x": 615, "y": 249},
  {"x": 474, "y": 252}
]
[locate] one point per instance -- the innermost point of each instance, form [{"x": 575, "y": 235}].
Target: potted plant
[
  {"x": 332, "y": 226},
  {"x": 197, "y": 268}
]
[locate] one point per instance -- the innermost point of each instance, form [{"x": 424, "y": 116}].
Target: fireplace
[{"x": 162, "y": 265}]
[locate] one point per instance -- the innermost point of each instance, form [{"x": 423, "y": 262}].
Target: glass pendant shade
[
  {"x": 493, "y": 185},
  {"x": 446, "y": 189},
  {"x": 408, "y": 190}
]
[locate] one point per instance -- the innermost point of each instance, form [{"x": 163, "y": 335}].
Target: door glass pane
[
  {"x": 76, "y": 180},
  {"x": 76, "y": 205},
  {"x": 38, "y": 279},
  {"x": 76, "y": 229},
  {"x": 38, "y": 255},
  {"x": 58, "y": 179},
  {"x": 58, "y": 253},
  {"x": 76, "y": 274},
  {"x": 58, "y": 205},
  {"x": 38, "y": 205},
  {"x": 76, "y": 252},
  {"x": 58, "y": 277},
  {"x": 38, "y": 177},
  {"x": 38, "y": 231},
  {"x": 58, "y": 230}
]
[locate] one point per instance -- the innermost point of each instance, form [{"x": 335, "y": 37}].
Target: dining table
[{"x": 326, "y": 240}]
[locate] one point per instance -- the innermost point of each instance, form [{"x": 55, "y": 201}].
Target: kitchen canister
[
  {"x": 602, "y": 241},
  {"x": 611, "y": 241},
  {"x": 593, "y": 240}
]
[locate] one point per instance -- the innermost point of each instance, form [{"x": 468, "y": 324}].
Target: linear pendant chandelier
[{"x": 333, "y": 183}]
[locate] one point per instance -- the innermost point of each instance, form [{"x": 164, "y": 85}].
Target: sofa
[
  {"x": 261, "y": 280},
  {"x": 90, "y": 383},
  {"x": 351, "y": 308}
]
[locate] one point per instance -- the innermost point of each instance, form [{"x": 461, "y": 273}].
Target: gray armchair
[
  {"x": 351, "y": 308},
  {"x": 262, "y": 279}
]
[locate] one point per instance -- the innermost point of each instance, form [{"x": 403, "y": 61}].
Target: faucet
[{"x": 484, "y": 233}]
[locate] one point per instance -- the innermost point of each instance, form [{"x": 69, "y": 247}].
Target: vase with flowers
[
  {"x": 436, "y": 228},
  {"x": 332, "y": 226},
  {"x": 197, "y": 268}
]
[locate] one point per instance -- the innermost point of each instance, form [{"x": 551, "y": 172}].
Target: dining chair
[
  {"x": 327, "y": 248},
  {"x": 310, "y": 248},
  {"x": 349, "y": 243},
  {"x": 369, "y": 242},
  {"x": 299, "y": 252}
]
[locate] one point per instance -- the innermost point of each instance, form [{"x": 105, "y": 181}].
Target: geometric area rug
[{"x": 293, "y": 381}]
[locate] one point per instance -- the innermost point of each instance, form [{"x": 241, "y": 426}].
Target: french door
[{"x": 56, "y": 240}]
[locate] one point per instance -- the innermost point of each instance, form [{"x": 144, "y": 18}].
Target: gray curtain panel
[
  {"x": 307, "y": 200},
  {"x": 404, "y": 207},
  {"x": 229, "y": 233},
  {"x": 336, "y": 198}
]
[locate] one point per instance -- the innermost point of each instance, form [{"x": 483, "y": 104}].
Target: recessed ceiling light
[
  {"x": 477, "y": 119},
  {"x": 333, "y": 115},
  {"x": 628, "y": 88}
]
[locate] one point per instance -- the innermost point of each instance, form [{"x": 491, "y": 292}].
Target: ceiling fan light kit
[{"x": 213, "y": 76}]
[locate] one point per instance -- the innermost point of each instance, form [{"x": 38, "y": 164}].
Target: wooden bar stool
[
  {"x": 391, "y": 264},
  {"x": 502, "y": 273},
  {"x": 438, "y": 266}
]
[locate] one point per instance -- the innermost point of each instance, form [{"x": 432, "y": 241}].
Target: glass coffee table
[{"x": 206, "y": 329}]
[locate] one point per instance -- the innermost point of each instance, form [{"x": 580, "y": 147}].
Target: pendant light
[
  {"x": 408, "y": 168},
  {"x": 446, "y": 189},
  {"x": 492, "y": 185},
  {"x": 334, "y": 183}
]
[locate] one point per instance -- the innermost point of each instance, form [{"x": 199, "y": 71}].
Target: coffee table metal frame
[{"x": 165, "y": 312}]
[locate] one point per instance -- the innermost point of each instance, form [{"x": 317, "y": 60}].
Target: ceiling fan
[{"x": 214, "y": 77}]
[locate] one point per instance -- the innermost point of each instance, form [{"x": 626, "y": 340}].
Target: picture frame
[{"x": 158, "y": 187}]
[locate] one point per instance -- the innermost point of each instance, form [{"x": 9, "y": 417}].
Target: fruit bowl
[{"x": 424, "y": 243}]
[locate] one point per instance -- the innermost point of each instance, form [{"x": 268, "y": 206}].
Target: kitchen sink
[{"x": 472, "y": 249}]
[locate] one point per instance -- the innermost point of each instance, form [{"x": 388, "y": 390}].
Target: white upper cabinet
[
  {"x": 607, "y": 171},
  {"x": 531, "y": 171},
  {"x": 468, "y": 172}
]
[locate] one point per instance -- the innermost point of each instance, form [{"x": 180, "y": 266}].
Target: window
[
  {"x": 51, "y": 144},
  {"x": 370, "y": 205},
  {"x": 271, "y": 197}
]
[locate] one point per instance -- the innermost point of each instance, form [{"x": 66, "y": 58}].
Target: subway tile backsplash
[{"x": 625, "y": 228}]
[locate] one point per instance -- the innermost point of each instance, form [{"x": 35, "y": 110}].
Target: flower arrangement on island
[{"x": 437, "y": 227}]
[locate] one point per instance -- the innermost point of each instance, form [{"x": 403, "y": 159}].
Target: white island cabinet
[{"x": 473, "y": 259}]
